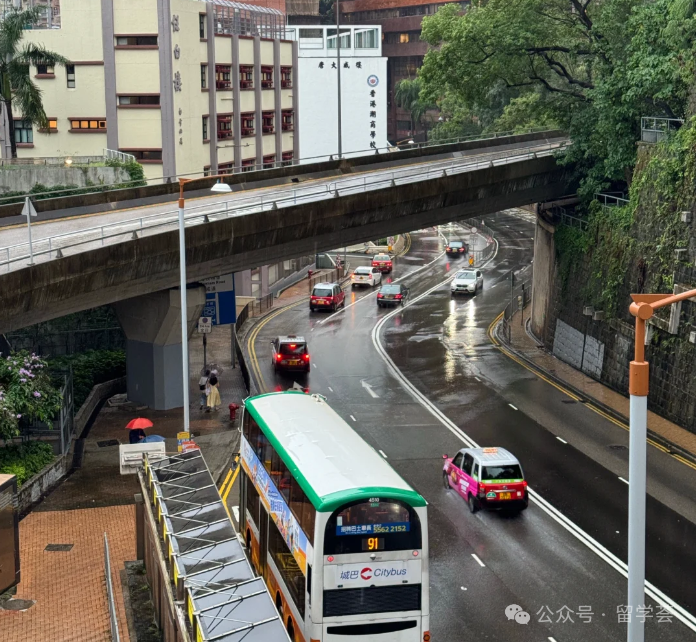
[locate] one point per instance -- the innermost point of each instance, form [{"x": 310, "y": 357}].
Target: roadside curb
[{"x": 670, "y": 446}]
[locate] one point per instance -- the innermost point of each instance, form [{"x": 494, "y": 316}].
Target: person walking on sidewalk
[
  {"x": 213, "y": 393},
  {"x": 202, "y": 386}
]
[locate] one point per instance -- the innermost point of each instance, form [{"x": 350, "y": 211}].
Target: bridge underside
[{"x": 151, "y": 263}]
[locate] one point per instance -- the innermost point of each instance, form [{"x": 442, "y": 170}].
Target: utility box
[{"x": 9, "y": 533}]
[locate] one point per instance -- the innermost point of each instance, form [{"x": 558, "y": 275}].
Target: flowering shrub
[{"x": 25, "y": 391}]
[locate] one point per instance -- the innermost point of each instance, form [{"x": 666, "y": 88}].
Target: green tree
[
  {"x": 408, "y": 97},
  {"x": 591, "y": 67},
  {"x": 16, "y": 87}
]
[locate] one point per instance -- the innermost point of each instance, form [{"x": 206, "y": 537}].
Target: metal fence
[
  {"x": 112, "y": 154},
  {"x": 653, "y": 129},
  {"x": 48, "y": 248},
  {"x": 113, "y": 621},
  {"x": 611, "y": 199},
  {"x": 63, "y": 425},
  {"x": 521, "y": 296},
  {"x": 326, "y": 276}
]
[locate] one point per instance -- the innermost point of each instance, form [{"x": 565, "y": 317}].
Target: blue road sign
[{"x": 221, "y": 302}]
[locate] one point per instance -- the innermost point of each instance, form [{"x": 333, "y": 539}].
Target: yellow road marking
[
  {"x": 591, "y": 406},
  {"x": 229, "y": 488},
  {"x": 227, "y": 478}
]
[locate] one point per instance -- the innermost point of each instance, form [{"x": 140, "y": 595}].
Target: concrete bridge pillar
[
  {"x": 543, "y": 276},
  {"x": 152, "y": 325}
]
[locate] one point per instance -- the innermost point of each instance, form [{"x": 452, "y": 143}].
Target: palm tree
[
  {"x": 16, "y": 87},
  {"x": 407, "y": 97}
]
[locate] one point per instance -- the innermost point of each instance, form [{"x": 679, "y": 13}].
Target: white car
[
  {"x": 366, "y": 275},
  {"x": 466, "y": 282}
]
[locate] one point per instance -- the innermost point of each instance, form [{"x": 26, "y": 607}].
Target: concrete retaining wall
[{"x": 20, "y": 178}]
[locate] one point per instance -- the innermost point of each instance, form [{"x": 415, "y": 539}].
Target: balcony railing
[
  {"x": 247, "y": 131},
  {"x": 246, "y": 84},
  {"x": 224, "y": 135},
  {"x": 653, "y": 129},
  {"x": 223, "y": 84},
  {"x": 267, "y": 84},
  {"x": 268, "y": 129},
  {"x": 288, "y": 127},
  {"x": 286, "y": 84}
]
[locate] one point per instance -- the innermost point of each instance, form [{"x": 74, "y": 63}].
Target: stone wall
[
  {"x": 609, "y": 346},
  {"x": 22, "y": 178}
]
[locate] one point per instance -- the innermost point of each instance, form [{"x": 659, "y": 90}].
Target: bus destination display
[{"x": 374, "y": 529}]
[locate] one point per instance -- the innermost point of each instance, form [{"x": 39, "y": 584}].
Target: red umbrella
[{"x": 140, "y": 422}]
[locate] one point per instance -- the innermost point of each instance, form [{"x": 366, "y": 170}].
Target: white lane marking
[
  {"x": 353, "y": 418},
  {"x": 314, "y": 365},
  {"x": 477, "y": 379},
  {"x": 463, "y": 588},
  {"x": 381, "y": 452},
  {"x": 235, "y": 512},
  {"x": 552, "y": 639},
  {"x": 513, "y": 407},
  {"x": 369, "y": 389},
  {"x": 603, "y": 553},
  {"x": 476, "y": 557},
  {"x": 403, "y": 276},
  {"x": 330, "y": 389},
  {"x": 625, "y": 481},
  {"x": 563, "y": 441}
]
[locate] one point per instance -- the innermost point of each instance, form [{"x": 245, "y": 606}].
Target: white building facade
[{"x": 363, "y": 91}]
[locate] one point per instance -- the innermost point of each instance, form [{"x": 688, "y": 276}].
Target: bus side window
[{"x": 309, "y": 584}]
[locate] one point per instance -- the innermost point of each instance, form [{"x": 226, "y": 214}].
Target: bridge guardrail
[{"x": 52, "y": 247}]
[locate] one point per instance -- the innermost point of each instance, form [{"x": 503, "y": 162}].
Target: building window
[
  {"x": 246, "y": 76},
  {"x": 248, "y": 164},
  {"x": 145, "y": 155},
  {"x": 268, "y": 122},
  {"x": 146, "y": 42},
  {"x": 406, "y": 66},
  {"x": 403, "y": 125},
  {"x": 201, "y": 26},
  {"x": 288, "y": 120},
  {"x": 331, "y": 38},
  {"x": 287, "y": 158},
  {"x": 286, "y": 77},
  {"x": 266, "y": 77},
  {"x": 222, "y": 77},
  {"x": 269, "y": 161},
  {"x": 139, "y": 101},
  {"x": 206, "y": 170},
  {"x": 52, "y": 126},
  {"x": 248, "y": 124},
  {"x": 226, "y": 168},
  {"x": 204, "y": 76},
  {"x": 205, "y": 129},
  {"x": 87, "y": 125},
  {"x": 24, "y": 135},
  {"x": 224, "y": 126},
  {"x": 403, "y": 38},
  {"x": 366, "y": 38},
  {"x": 45, "y": 70},
  {"x": 70, "y": 71}
]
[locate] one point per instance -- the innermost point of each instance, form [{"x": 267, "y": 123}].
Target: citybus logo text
[{"x": 367, "y": 573}]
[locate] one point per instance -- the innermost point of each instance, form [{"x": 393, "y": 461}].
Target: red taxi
[
  {"x": 290, "y": 354},
  {"x": 327, "y": 296},
  {"x": 382, "y": 262},
  {"x": 487, "y": 478}
]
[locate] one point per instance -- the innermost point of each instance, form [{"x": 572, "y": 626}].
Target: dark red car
[
  {"x": 327, "y": 296},
  {"x": 382, "y": 262}
]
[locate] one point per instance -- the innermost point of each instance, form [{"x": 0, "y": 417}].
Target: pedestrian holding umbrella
[{"x": 137, "y": 429}]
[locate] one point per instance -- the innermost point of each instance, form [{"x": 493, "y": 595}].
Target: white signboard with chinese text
[{"x": 372, "y": 574}]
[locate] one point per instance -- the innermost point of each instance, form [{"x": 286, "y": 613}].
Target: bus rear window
[{"x": 378, "y": 524}]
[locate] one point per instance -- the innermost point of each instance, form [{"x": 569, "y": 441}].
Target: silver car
[{"x": 466, "y": 282}]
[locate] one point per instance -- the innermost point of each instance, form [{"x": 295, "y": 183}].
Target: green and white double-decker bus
[{"x": 339, "y": 537}]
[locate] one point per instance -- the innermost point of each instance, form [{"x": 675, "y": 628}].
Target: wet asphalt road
[{"x": 441, "y": 346}]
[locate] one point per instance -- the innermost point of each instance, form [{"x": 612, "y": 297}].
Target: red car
[
  {"x": 327, "y": 296},
  {"x": 382, "y": 262}
]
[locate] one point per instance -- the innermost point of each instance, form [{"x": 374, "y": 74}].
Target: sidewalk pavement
[{"x": 525, "y": 347}]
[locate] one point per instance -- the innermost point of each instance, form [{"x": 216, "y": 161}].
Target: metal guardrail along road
[{"x": 15, "y": 257}]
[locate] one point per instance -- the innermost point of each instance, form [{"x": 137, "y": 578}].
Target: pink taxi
[{"x": 487, "y": 478}]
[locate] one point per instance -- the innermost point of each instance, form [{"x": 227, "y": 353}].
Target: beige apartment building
[{"x": 185, "y": 86}]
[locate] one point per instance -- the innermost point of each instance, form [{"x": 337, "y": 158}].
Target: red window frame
[
  {"x": 288, "y": 120},
  {"x": 268, "y": 122},
  {"x": 248, "y": 123},
  {"x": 267, "y": 76},
  {"x": 248, "y": 164},
  {"x": 223, "y": 77},
  {"x": 224, "y": 126},
  {"x": 286, "y": 77},
  {"x": 269, "y": 161},
  {"x": 246, "y": 76}
]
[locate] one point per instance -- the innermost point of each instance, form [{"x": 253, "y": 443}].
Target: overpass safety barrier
[{"x": 51, "y": 247}]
